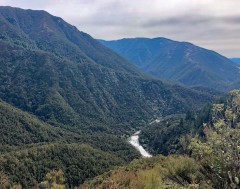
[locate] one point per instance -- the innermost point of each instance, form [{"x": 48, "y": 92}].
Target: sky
[{"x": 212, "y": 24}]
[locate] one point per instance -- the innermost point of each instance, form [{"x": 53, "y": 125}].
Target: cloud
[{"x": 213, "y": 24}]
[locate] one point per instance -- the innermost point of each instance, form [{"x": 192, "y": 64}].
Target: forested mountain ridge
[
  {"x": 40, "y": 30},
  {"x": 179, "y": 62},
  {"x": 64, "y": 76}
]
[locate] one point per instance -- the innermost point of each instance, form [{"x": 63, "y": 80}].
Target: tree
[
  {"x": 219, "y": 152},
  {"x": 54, "y": 180},
  {"x": 4, "y": 182}
]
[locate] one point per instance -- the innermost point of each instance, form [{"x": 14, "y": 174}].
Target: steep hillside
[
  {"x": 19, "y": 128},
  {"x": 29, "y": 148},
  {"x": 78, "y": 162},
  {"x": 170, "y": 134},
  {"x": 67, "y": 78},
  {"x": 180, "y": 62},
  {"x": 40, "y": 30}
]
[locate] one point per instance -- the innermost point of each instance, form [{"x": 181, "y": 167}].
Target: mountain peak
[{"x": 180, "y": 62}]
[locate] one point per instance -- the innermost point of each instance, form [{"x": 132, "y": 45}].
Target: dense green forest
[
  {"x": 78, "y": 162},
  {"x": 63, "y": 93},
  {"x": 211, "y": 158},
  {"x": 20, "y": 129},
  {"x": 171, "y": 134},
  {"x": 30, "y": 148}
]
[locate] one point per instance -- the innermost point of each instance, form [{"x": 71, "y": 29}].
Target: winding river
[{"x": 134, "y": 141}]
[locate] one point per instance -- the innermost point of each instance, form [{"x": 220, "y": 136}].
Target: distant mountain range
[
  {"x": 237, "y": 60},
  {"x": 179, "y": 62}
]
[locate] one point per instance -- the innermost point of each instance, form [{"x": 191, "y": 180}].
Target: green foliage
[
  {"x": 4, "y": 181},
  {"x": 173, "y": 133},
  {"x": 78, "y": 162},
  {"x": 163, "y": 137},
  {"x": 158, "y": 172},
  {"x": 54, "y": 180},
  {"x": 19, "y": 128},
  {"x": 219, "y": 151}
]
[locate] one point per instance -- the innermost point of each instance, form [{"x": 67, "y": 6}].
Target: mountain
[
  {"x": 65, "y": 77},
  {"x": 63, "y": 92},
  {"x": 179, "y": 62},
  {"x": 237, "y": 60}
]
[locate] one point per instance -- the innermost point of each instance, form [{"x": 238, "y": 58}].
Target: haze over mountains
[{"x": 179, "y": 62}]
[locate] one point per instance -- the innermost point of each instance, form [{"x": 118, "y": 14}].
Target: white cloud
[{"x": 212, "y": 24}]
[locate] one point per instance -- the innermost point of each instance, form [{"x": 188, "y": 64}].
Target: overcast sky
[{"x": 213, "y": 24}]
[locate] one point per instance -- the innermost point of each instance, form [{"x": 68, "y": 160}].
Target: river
[{"x": 134, "y": 141}]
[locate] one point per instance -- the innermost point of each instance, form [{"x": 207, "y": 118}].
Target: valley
[{"x": 135, "y": 113}]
